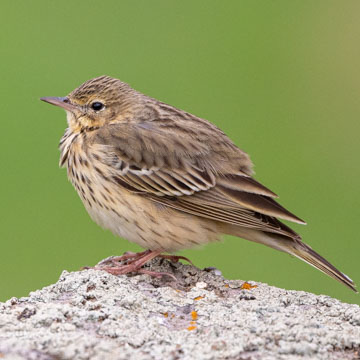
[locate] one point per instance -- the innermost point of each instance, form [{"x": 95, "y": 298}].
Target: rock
[{"x": 94, "y": 315}]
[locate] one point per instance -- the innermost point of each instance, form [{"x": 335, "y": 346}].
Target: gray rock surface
[{"x": 94, "y": 315}]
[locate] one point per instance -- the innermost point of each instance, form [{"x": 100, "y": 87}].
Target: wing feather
[
  {"x": 199, "y": 177},
  {"x": 245, "y": 183}
]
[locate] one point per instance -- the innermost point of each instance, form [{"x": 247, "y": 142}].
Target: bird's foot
[
  {"x": 133, "y": 262},
  {"x": 128, "y": 257}
]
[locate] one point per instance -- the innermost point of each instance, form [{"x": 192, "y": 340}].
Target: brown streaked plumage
[{"x": 166, "y": 179}]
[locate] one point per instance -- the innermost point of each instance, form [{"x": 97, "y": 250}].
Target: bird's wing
[{"x": 203, "y": 174}]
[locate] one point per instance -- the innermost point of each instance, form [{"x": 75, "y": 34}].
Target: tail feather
[
  {"x": 307, "y": 254},
  {"x": 293, "y": 247}
]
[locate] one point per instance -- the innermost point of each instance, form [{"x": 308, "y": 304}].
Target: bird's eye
[{"x": 97, "y": 106}]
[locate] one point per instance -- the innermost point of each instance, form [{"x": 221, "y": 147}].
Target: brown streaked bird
[{"x": 166, "y": 179}]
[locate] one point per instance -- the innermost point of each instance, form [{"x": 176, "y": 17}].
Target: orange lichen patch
[
  {"x": 192, "y": 322},
  {"x": 190, "y": 328},
  {"x": 199, "y": 298},
  {"x": 194, "y": 315},
  {"x": 247, "y": 286},
  {"x": 166, "y": 314},
  {"x": 172, "y": 316},
  {"x": 226, "y": 285}
]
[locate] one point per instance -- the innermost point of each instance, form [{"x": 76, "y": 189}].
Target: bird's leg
[
  {"x": 127, "y": 256},
  {"x": 134, "y": 256},
  {"x": 133, "y": 263}
]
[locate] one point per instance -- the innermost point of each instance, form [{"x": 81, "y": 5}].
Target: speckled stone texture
[{"x": 94, "y": 315}]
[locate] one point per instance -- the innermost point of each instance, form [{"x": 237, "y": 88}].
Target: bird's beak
[{"x": 63, "y": 102}]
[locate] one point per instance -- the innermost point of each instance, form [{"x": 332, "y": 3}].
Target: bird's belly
[
  {"x": 137, "y": 218},
  {"x": 140, "y": 221},
  {"x": 151, "y": 228},
  {"x": 119, "y": 223}
]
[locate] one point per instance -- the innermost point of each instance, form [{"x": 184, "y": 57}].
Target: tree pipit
[{"x": 166, "y": 179}]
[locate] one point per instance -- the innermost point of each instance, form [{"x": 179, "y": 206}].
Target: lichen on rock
[{"x": 94, "y": 315}]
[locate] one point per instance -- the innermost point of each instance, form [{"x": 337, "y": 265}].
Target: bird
[{"x": 166, "y": 179}]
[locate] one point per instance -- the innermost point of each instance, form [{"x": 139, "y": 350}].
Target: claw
[
  {"x": 116, "y": 259},
  {"x": 133, "y": 262}
]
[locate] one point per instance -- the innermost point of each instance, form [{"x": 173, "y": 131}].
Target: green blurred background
[{"x": 280, "y": 77}]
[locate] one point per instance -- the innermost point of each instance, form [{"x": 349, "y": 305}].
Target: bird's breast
[{"x": 131, "y": 216}]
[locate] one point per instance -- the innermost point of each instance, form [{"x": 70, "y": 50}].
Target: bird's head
[{"x": 96, "y": 102}]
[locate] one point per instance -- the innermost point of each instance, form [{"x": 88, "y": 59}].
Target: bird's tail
[{"x": 293, "y": 247}]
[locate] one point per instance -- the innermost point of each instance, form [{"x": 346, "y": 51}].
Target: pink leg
[
  {"x": 127, "y": 256},
  {"x": 133, "y": 262},
  {"x": 133, "y": 265}
]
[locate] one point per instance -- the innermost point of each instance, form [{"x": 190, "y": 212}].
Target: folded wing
[{"x": 203, "y": 177}]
